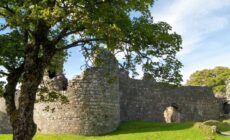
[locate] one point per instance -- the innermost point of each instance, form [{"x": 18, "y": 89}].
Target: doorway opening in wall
[
  {"x": 172, "y": 114},
  {"x": 226, "y": 108},
  {"x": 51, "y": 74}
]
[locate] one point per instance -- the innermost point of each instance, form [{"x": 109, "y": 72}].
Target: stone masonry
[
  {"x": 147, "y": 100},
  {"x": 103, "y": 96},
  {"x": 4, "y": 120},
  {"x": 94, "y": 106}
]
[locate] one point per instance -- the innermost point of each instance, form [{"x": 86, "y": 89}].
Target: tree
[
  {"x": 40, "y": 29},
  {"x": 1, "y": 88},
  {"x": 215, "y": 78}
]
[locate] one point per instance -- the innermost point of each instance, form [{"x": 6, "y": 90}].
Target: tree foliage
[
  {"x": 96, "y": 23},
  {"x": 215, "y": 78},
  {"x": 35, "y": 35},
  {"x": 1, "y": 88}
]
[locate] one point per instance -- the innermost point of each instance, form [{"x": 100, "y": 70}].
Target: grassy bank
[{"x": 137, "y": 130}]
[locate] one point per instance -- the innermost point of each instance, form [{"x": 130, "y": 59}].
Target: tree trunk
[
  {"x": 10, "y": 89},
  {"x": 24, "y": 127},
  {"x": 9, "y": 93},
  {"x": 38, "y": 56}
]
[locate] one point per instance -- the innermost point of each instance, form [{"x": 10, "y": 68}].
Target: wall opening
[
  {"x": 226, "y": 108},
  {"x": 51, "y": 74},
  {"x": 172, "y": 114}
]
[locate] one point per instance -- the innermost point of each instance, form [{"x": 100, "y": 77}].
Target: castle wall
[
  {"x": 147, "y": 100},
  {"x": 99, "y": 102},
  {"x": 103, "y": 96},
  {"x": 5, "y": 126},
  {"x": 94, "y": 104},
  {"x": 94, "y": 107}
]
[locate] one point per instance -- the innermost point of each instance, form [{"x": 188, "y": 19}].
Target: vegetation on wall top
[{"x": 215, "y": 78}]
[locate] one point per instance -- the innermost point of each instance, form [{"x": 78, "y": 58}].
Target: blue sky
[
  {"x": 204, "y": 26},
  {"x": 205, "y": 29}
]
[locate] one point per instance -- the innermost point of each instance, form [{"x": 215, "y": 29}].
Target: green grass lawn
[{"x": 138, "y": 130}]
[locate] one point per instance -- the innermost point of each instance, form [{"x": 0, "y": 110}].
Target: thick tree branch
[
  {"x": 79, "y": 42},
  {"x": 10, "y": 88},
  {"x": 26, "y": 36},
  {"x": 77, "y": 30},
  {"x": 60, "y": 35},
  {"x": 66, "y": 32}
]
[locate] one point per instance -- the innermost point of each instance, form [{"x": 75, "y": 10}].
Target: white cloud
[
  {"x": 197, "y": 21},
  {"x": 194, "y": 20}
]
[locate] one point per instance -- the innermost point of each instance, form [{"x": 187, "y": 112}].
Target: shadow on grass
[{"x": 144, "y": 126}]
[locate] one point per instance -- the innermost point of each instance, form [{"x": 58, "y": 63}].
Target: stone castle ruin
[{"x": 103, "y": 96}]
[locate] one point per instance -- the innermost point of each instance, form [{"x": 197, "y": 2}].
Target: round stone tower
[{"x": 95, "y": 96}]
